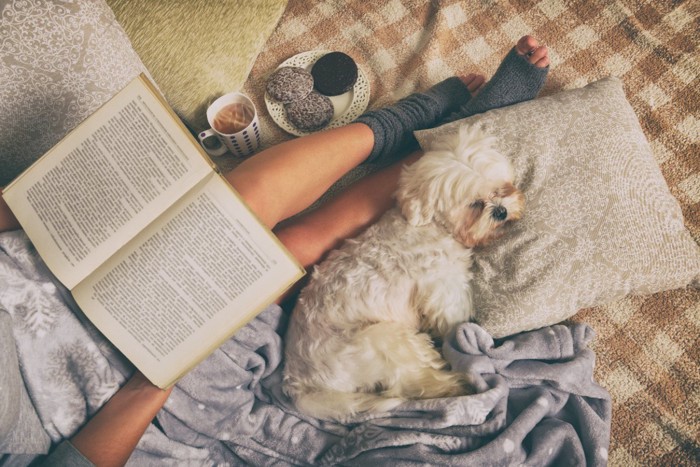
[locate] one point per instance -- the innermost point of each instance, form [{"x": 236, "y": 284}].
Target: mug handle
[{"x": 217, "y": 151}]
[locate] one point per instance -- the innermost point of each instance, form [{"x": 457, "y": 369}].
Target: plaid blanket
[{"x": 647, "y": 347}]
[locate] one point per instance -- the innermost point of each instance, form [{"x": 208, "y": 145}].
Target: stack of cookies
[{"x": 305, "y": 94}]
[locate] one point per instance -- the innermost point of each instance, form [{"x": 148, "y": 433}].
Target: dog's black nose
[{"x": 499, "y": 213}]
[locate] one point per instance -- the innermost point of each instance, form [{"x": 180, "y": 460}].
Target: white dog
[{"x": 360, "y": 337}]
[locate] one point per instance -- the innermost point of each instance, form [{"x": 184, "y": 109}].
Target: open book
[{"x": 159, "y": 251}]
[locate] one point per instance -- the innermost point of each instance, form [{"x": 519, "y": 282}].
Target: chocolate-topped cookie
[
  {"x": 311, "y": 113},
  {"x": 334, "y": 73},
  {"x": 289, "y": 84}
]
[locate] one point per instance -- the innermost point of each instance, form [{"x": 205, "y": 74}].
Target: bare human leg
[{"x": 285, "y": 179}]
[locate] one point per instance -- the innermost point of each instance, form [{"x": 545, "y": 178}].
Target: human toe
[
  {"x": 535, "y": 53},
  {"x": 540, "y": 57},
  {"x": 473, "y": 82},
  {"x": 526, "y": 44}
]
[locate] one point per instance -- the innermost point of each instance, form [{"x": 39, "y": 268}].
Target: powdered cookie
[
  {"x": 335, "y": 73},
  {"x": 289, "y": 84},
  {"x": 312, "y": 113}
]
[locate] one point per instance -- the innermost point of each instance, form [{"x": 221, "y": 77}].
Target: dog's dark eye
[{"x": 499, "y": 213}]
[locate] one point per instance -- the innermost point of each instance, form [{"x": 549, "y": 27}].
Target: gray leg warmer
[
  {"x": 516, "y": 80},
  {"x": 393, "y": 126}
]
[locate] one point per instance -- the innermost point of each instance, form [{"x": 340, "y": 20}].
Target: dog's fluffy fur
[{"x": 361, "y": 336}]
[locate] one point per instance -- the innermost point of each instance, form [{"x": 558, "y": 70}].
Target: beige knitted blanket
[{"x": 647, "y": 347}]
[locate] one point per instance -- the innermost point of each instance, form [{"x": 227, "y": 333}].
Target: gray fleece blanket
[{"x": 537, "y": 403}]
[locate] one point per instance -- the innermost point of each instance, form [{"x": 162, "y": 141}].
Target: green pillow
[{"x": 197, "y": 51}]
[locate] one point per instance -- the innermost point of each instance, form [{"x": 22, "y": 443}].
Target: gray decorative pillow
[
  {"x": 600, "y": 222},
  {"x": 59, "y": 61}
]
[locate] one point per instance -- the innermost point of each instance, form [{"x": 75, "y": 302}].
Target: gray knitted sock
[
  {"x": 516, "y": 80},
  {"x": 393, "y": 126}
]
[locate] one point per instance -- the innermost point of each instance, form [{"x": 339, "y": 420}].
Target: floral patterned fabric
[
  {"x": 64, "y": 362},
  {"x": 59, "y": 61},
  {"x": 600, "y": 222}
]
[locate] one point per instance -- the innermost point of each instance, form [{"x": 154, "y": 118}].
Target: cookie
[
  {"x": 289, "y": 84},
  {"x": 334, "y": 73},
  {"x": 311, "y": 113}
]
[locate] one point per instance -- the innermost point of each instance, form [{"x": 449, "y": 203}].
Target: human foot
[{"x": 520, "y": 77}]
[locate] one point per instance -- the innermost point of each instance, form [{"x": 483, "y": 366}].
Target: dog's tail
[{"x": 344, "y": 406}]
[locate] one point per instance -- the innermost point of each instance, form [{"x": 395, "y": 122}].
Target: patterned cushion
[
  {"x": 600, "y": 221},
  {"x": 59, "y": 61}
]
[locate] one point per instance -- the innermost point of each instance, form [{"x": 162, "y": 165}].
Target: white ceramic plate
[{"x": 346, "y": 107}]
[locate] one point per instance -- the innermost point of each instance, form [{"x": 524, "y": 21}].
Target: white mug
[{"x": 234, "y": 126}]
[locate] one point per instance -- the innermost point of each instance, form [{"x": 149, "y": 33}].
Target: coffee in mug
[
  {"x": 233, "y": 118},
  {"x": 234, "y": 126}
]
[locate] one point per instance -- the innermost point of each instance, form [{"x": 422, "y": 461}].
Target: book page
[
  {"x": 179, "y": 290},
  {"x": 105, "y": 182}
]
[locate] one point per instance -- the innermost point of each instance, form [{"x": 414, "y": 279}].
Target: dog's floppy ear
[
  {"x": 415, "y": 213},
  {"x": 421, "y": 187},
  {"x": 410, "y": 198}
]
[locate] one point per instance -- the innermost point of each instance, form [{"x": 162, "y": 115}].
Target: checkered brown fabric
[{"x": 648, "y": 347}]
